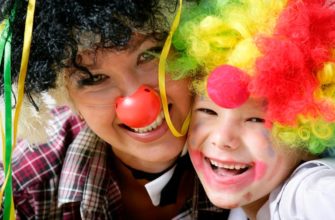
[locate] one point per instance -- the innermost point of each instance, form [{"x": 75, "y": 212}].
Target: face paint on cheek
[
  {"x": 270, "y": 150},
  {"x": 196, "y": 157},
  {"x": 277, "y": 163},
  {"x": 248, "y": 197},
  {"x": 191, "y": 140},
  {"x": 260, "y": 170},
  {"x": 194, "y": 128}
]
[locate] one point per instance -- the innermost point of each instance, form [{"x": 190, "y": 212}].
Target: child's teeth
[{"x": 228, "y": 166}]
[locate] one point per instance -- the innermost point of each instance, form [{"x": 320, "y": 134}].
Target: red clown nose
[
  {"x": 227, "y": 86},
  {"x": 140, "y": 109}
]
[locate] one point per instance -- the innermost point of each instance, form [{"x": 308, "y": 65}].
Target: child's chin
[{"x": 223, "y": 200}]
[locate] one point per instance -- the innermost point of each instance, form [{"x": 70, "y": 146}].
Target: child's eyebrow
[{"x": 259, "y": 106}]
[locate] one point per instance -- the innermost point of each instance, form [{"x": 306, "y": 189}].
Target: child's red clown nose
[
  {"x": 140, "y": 109},
  {"x": 227, "y": 86}
]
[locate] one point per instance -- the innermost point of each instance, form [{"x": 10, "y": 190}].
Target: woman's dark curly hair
[{"x": 59, "y": 25}]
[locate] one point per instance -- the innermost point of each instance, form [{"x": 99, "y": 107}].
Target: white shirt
[{"x": 308, "y": 194}]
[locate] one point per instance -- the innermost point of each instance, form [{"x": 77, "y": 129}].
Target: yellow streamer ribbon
[
  {"x": 3, "y": 158},
  {"x": 161, "y": 78},
  {"x": 2, "y": 26},
  {"x": 24, "y": 62},
  {"x": 21, "y": 81}
]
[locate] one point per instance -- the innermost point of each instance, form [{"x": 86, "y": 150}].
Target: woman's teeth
[{"x": 159, "y": 120}]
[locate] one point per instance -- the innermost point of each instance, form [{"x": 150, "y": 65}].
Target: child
[
  {"x": 95, "y": 162},
  {"x": 265, "y": 108}
]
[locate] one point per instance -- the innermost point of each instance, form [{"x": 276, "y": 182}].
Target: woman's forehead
[{"x": 138, "y": 41}]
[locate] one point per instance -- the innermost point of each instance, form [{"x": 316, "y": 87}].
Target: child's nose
[{"x": 225, "y": 138}]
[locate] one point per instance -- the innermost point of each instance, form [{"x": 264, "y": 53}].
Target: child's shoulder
[
  {"x": 312, "y": 177},
  {"x": 327, "y": 163},
  {"x": 309, "y": 193}
]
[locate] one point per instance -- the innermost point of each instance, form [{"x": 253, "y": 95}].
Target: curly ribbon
[
  {"x": 2, "y": 46},
  {"x": 2, "y": 26},
  {"x": 5, "y": 44},
  {"x": 24, "y": 62},
  {"x": 161, "y": 78}
]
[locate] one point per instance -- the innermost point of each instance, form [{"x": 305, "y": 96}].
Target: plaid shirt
[{"x": 69, "y": 178}]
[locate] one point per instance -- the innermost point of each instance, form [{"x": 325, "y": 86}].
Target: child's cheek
[
  {"x": 271, "y": 151},
  {"x": 191, "y": 140},
  {"x": 260, "y": 170},
  {"x": 196, "y": 157},
  {"x": 267, "y": 136},
  {"x": 194, "y": 128}
]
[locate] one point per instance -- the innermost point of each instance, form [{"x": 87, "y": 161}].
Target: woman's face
[{"x": 119, "y": 74}]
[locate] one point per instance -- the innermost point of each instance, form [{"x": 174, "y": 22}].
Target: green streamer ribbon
[
  {"x": 5, "y": 55},
  {"x": 8, "y": 127}
]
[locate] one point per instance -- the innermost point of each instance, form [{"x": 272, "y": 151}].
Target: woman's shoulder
[{"x": 37, "y": 162}]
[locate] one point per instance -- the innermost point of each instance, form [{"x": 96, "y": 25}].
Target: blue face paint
[{"x": 266, "y": 134}]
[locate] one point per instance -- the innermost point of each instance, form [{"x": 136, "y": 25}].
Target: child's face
[{"x": 234, "y": 155}]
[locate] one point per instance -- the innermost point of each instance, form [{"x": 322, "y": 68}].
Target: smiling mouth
[
  {"x": 158, "y": 122},
  {"x": 228, "y": 169}
]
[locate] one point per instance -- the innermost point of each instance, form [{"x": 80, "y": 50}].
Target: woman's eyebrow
[
  {"x": 137, "y": 42},
  {"x": 155, "y": 50}
]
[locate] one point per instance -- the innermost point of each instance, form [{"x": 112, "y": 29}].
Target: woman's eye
[
  {"x": 145, "y": 57},
  {"x": 207, "y": 111},
  {"x": 149, "y": 55},
  {"x": 255, "y": 119},
  {"x": 92, "y": 80}
]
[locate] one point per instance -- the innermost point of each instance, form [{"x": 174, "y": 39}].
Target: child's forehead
[
  {"x": 257, "y": 103},
  {"x": 251, "y": 104}
]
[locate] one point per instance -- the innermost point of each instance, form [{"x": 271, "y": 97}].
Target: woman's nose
[{"x": 139, "y": 109}]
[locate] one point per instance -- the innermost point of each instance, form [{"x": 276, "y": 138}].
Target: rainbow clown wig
[{"x": 283, "y": 51}]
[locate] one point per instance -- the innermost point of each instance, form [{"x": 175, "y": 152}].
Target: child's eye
[
  {"x": 207, "y": 111},
  {"x": 149, "y": 55},
  {"x": 92, "y": 80},
  {"x": 255, "y": 119}
]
